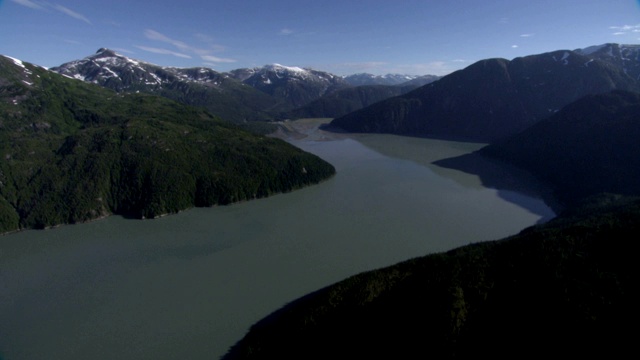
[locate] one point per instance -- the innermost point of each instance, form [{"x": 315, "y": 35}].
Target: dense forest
[
  {"x": 72, "y": 152},
  {"x": 566, "y": 288}
]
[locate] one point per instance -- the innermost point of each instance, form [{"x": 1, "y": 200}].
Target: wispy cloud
[
  {"x": 185, "y": 50},
  {"x": 163, "y": 51},
  {"x": 154, "y": 35},
  {"x": 122, "y": 50},
  {"x": 215, "y": 59},
  {"x": 45, "y": 6},
  {"x": 286, "y": 31},
  {"x": 71, "y": 13},
  {"x": 625, "y": 29},
  {"x": 526, "y": 35},
  {"x": 29, "y": 4},
  {"x": 514, "y": 46}
]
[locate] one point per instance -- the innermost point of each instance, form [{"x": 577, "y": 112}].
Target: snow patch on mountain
[
  {"x": 278, "y": 67},
  {"x": 16, "y": 61}
]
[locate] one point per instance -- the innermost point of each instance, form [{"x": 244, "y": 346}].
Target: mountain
[
  {"x": 566, "y": 287},
  {"x": 292, "y": 87},
  {"x": 72, "y": 152},
  {"x": 389, "y": 79},
  {"x": 243, "y": 95},
  {"x": 626, "y": 57},
  {"x": 493, "y": 98},
  {"x": 217, "y": 92},
  {"x": 587, "y": 148},
  {"x": 345, "y": 101},
  {"x": 421, "y": 81}
]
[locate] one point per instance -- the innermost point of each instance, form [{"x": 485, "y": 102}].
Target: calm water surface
[{"x": 188, "y": 286}]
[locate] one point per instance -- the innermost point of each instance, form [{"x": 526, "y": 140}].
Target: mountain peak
[
  {"x": 106, "y": 52},
  {"x": 294, "y": 69}
]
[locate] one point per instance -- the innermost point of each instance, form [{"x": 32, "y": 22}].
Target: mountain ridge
[
  {"x": 266, "y": 93},
  {"x": 292, "y": 86},
  {"x": 217, "y": 92},
  {"x": 492, "y": 98}
]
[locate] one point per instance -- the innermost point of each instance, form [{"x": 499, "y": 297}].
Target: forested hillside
[
  {"x": 568, "y": 287},
  {"x": 72, "y": 152},
  {"x": 589, "y": 147}
]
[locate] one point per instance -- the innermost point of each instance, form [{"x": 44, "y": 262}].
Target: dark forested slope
[
  {"x": 71, "y": 152},
  {"x": 589, "y": 147},
  {"x": 568, "y": 287}
]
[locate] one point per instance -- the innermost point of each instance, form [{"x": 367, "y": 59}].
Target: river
[{"x": 188, "y": 286}]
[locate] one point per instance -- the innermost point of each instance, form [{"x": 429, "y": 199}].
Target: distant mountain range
[
  {"x": 219, "y": 93},
  {"x": 389, "y": 79},
  {"x": 264, "y": 93},
  {"x": 496, "y": 98},
  {"x": 293, "y": 86}
]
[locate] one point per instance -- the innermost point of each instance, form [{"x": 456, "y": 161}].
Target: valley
[
  {"x": 191, "y": 284},
  {"x": 508, "y": 187}
]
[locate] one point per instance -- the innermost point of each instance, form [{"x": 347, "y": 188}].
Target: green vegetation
[
  {"x": 72, "y": 152},
  {"x": 567, "y": 287}
]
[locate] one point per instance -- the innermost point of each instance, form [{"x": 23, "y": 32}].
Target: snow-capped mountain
[
  {"x": 218, "y": 92},
  {"x": 293, "y": 85},
  {"x": 626, "y": 57},
  {"x": 270, "y": 89},
  {"x": 110, "y": 69}
]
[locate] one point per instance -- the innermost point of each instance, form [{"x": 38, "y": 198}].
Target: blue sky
[{"x": 339, "y": 36}]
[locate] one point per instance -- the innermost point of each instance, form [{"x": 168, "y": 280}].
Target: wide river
[{"x": 188, "y": 286}]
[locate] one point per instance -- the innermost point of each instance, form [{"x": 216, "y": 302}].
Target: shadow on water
[
  {"x": 512, "y": 184},
  {"x": 446, "y": 157}
]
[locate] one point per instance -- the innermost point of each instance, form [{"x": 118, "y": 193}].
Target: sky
[{"x": 415, "y": 37}]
